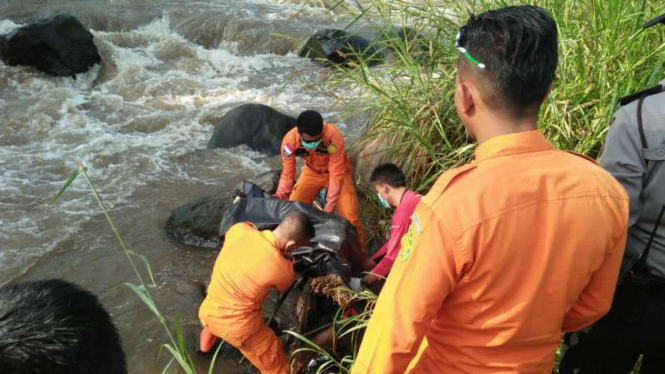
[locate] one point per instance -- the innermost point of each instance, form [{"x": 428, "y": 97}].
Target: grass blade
[{"x": 69, "y": 181}]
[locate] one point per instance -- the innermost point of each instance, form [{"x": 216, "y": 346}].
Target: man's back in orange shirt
[
  {"x": 249, "y": 265},
  {"x": 509, "y": 251}
]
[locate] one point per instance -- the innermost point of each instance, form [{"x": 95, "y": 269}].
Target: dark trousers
[{"x": 613, "y": 346}]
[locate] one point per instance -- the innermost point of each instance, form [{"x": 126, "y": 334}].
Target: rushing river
[{"x": 140, "y": 123}]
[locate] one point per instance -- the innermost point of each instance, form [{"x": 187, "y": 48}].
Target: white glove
[{"x": 355, "y": 284}]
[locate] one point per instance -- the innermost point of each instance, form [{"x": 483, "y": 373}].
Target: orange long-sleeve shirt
[
  {"x": 249, "y": 265},
  {"x": 502, "y": 255},
  {"x": 329, "y": 157}
]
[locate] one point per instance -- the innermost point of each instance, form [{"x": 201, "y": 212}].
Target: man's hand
[
  {"x": 280, "y": 196},
  {"x": 371, "y": 278},
  {"x": 368, "y": 264}
]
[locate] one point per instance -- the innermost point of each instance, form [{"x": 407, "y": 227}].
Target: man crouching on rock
[
  {"x": 327, "y": 165},
  {"x": 250, "y": 264}
]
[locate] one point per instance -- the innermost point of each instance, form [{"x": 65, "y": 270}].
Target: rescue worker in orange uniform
[
  {"x": 327, "y": 165},
  {"x": 250, "y": 264},
  {"x": 507, "y": 252}
]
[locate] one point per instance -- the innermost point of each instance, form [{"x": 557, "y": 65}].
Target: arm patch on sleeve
[{"x": 287, "y": 151}]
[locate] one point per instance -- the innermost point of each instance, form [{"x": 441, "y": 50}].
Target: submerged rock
[
  {"x": 258, "y": 126},
  {"x": 197, "y": 223},
  {"x": 339, "y": 47},
  {"x": 58, "y": 46}
]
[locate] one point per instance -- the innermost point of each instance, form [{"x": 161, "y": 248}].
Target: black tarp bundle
[{"x": 334, "y": 250}]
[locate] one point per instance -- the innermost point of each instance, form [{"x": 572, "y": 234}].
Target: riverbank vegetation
[{"x": 604, "y": 54}]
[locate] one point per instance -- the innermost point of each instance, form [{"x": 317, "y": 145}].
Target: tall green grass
[{"x": 604, "y": 55}]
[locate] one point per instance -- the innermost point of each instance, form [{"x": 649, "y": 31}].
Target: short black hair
[
  {"x": 389, "y": 174},
  {"x": 55, "y": 327},
  {"x": 299, "y": 226},
  {"x": 310, "y": 122},
  {"x": 518, "y": 45}
]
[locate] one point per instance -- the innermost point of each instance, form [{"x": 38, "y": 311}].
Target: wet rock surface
[
  {"x": 57, "y": 46},
  {"x": 257, "y": 126},
  {"x": 197, "y": 223},
  {"x": 338, "y": 47}
]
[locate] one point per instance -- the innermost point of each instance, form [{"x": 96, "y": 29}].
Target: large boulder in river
[
  {"x": 258, "y": 126},
  {"x": 339, "y": 47},
  {"x": 197, "y": 223},
  {"x": 58, "y": 46}
]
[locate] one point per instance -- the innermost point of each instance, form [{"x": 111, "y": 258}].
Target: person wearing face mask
[
  {"x": 390, "y": 185},
  {"x": 327, "y": 165},
  {"x": 250, "y": 264}
]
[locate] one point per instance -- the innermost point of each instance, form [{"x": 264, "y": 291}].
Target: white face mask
[
  {"x": 310, "y": 145},
  {"x": 383, "y": 201}
]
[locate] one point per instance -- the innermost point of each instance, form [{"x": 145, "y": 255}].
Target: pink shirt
[{"x": 401, "y": 222}]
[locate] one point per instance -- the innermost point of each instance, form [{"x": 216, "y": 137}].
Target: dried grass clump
[{"x": 333, "y": 286}]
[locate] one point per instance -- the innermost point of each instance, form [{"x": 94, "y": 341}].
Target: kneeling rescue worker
[
  {"x": 327, "y": 165},
  {"x": 509, "y": 251},
  {"x": 250, "y": 264}
]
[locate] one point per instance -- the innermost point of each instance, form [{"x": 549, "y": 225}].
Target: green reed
[
  {"x": 176, "y": 344},
  {"x": 343, "y": 327}
]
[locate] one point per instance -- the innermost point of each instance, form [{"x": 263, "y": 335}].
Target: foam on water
[
  {"x": 130, "y": 122},
  {"x": 140, "y": 123},
  {"x": 7, "y": 26}
]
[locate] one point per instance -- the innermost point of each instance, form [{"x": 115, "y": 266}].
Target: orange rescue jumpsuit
[
  {"x": 249, "y": 265},
  {"x": 502, "y": 256},
  {"x": 327, "y": 166}
]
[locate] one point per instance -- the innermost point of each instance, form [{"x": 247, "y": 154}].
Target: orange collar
[{"x": 511, "y": 144}]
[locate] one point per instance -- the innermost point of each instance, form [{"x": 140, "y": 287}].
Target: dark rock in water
[
  {"x": 58, "y": 46},
  {"x": 341, "y": 48},
  {"x": 258, "y": 126},
  {"x": 197, "y": 223}
]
